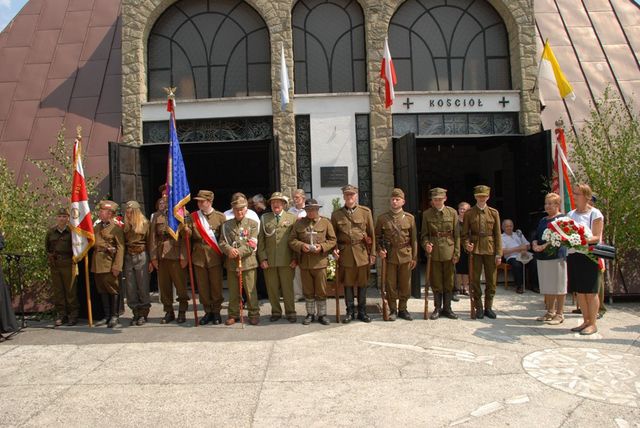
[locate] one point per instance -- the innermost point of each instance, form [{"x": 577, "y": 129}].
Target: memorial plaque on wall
[{"x": 334, "y": 176}]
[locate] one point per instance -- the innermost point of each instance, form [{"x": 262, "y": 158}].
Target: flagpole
[
  {"x": 86, "y": 286},
  {"x": 193, "y": 289}
]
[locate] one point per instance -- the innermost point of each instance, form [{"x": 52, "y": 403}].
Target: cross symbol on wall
[
  {"x": 503, "y": 101},
  {"x": 408, "y": 103}
]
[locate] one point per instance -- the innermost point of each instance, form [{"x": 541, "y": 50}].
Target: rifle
[
  {"x": 472, "y": 297},
  {"x": 337, "y": 292},
  {"x": 427, "y": 283},
  {"x": 383, "y": 288},
  {"x": 240, "y": 286}
]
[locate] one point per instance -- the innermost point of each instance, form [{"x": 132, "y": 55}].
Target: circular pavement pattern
[{"x": 590, "y": 373}]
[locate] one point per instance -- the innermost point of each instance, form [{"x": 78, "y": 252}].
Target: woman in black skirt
[
  {"x": 583, "y": 272},
  {"x": 7, "y": 317},
  {"x": 462, "y": 268}
]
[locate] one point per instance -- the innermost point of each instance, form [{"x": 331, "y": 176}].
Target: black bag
[{"x": 605, "y": 251}]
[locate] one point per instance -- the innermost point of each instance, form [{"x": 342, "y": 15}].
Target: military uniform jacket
[
  {"x": 323, "y": 236},
  {"x": 482, "y": 229},
  {"x": 108, "y": 249},
  {"x": 136, "y": 243},
  {"x": 162, "y": 246},
  {"x": 440, "y": 228},
  {"x": 245, "y": 234},
  {"x": 58, "y": 245},
  {"x": 352, "y": 227},
  {"x": 273, "y": 239},
  {"x": 396, "y": 233},
  {"x": 201, "y": 253}
]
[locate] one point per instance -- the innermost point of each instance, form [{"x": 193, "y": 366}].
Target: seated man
[{"x": 514, "y": 245}]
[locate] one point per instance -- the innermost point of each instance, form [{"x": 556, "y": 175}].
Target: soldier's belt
[
  {"x": 481, "y": 234},
  {"x": 62, "y": 256},
  {"x": 448, "y": 234},
  {"x": 403, "y": 245},
  {"x": 352, "y": 242},
  {"x": 135, "y": 250}
]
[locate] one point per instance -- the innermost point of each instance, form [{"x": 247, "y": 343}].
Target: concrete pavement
[{"x": 513, "y": 371}]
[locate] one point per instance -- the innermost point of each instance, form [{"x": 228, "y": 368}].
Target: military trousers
[
  {"x": 249, "y": 288},
  {"x": 65, "y": 290},
  {"x": 398, "y": 285},
  {"x": 488, "y": 262},
  {"x": 356, "y": 276},
  {"x": 314, "y": 283},
  {"x": 106, "y": 283},
  {"x": 280, "y": 284},
  {"x": 442, "y": 276},
  {"x": 136, "y": 277},
  {"x": 209, "y": 281},
  {"x": 171, "y": 274}
]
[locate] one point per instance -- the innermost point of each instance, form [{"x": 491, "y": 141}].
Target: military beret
[
  {"x": 397, "y": 193},
  {"x": 349, "y": 188},
  {"x": 482, "y": 190},
  {"x": 438, "y": 192},
  {"x": 278, "y": 196},
  {"x": 63, "y": 211},
  {"x": 132, "y": 205},
  {"x": 311, "y": 204},
  {"x": 204, "y": 195},
  {"x": 239, "y": 202},
  {"x": 108, "y": 205}
]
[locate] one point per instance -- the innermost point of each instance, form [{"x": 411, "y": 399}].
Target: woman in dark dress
[{"x": 7, "y": 317}]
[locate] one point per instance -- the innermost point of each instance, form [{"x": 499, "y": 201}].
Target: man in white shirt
[{"x": 514, "y": 247}]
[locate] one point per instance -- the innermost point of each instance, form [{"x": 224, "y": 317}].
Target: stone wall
[{"x": 138, "y": 17}]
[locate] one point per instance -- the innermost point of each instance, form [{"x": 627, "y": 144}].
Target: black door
[
  {"x": 127, "y": 174},
  {"x": 533, "y": 177},
  {"x": 406, "y": 178}
]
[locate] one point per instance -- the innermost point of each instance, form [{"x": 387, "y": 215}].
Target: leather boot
[
  {"x": 437, "y": 306},
  {"x": 217, "y": 319},
  {"x": 182, "y": 317},
  {"x": 488, "y": 311},
  {"x": 454, "y": 296},
  {"x": 348, "y": 298},
  {"x": 447, "y": 311},
  {"x": 322, "y": 312},
  {"x": 136, "y": 316},
  {"x": 479, "y": 309},
  {"x": 144, "y": 314},
  {"x": 362, "y": 305},
  {"x": 310, "y": 305},
  {"x": 208, "y": 316},
  {"x": 168, "y": 317},
  {"x": 106, "y": 308},
  {"x": 115, "y": 302}
]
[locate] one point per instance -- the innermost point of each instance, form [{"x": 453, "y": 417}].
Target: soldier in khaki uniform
[
  {"x": 397, "y": 240},
  {"x": 60, "y": 257},
  {"x": 169, "y": 257},
  {"x": 276, "y": 258},
  {"x": 136, "y": 262},
  {"x": 207, "y": 256},
  {"x": 440, "y": 238},
  {"x": 483, "y": 239},
  {"x": 239, "y": 242},
  {"x": 312, "y": 238},
  {"x": 108, "y": 258},
  {"x": 355, "y": 251}
]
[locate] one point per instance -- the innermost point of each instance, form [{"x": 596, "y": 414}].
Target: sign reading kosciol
[{"x": 457, "y": 102}]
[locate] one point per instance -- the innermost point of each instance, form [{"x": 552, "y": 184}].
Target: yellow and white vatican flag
[{"x": 550, "y": 70}]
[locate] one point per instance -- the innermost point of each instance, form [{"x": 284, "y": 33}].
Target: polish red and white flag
[
  {"x": 82, "y": 236},
  {"x": 388, "y": 73}
]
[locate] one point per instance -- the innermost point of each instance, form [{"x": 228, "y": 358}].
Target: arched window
[
  {"x": 209, "y": 49},
  {"x": 445, "y": 45},
  {"x": 328, "y": 46}
]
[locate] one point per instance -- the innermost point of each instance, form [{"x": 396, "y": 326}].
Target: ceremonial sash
[{"x": 204, "y": 228}]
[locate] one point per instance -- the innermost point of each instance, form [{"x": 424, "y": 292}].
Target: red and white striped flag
[
  {"x": 388, "y": 73},
  {"x": 82, "y": 236}
]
